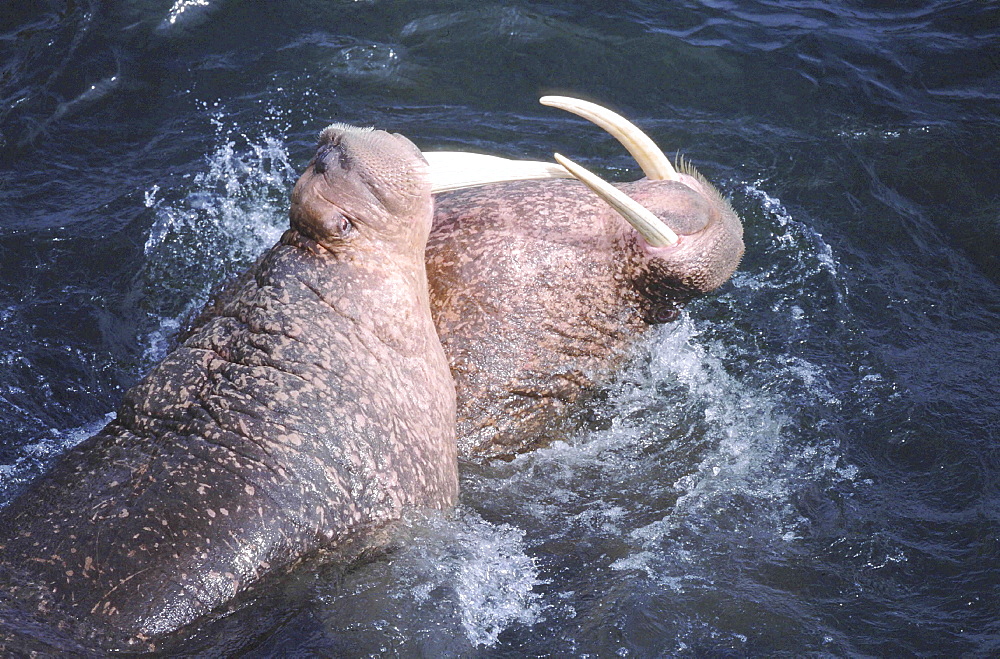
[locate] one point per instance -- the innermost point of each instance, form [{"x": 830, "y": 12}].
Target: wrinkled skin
[
  {"x": 539, "y": 290},
  {"x": 305, "y": 414}
]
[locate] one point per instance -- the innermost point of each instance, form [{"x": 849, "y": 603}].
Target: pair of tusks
[{"x": 452, "y": 170}]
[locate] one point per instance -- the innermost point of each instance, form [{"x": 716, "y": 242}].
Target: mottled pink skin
[
  {"x": 302, "y": 415},
  {"x": 539, "y": 290}
]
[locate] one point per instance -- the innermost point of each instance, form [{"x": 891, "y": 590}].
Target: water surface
[{"x": 805, "y": 464}]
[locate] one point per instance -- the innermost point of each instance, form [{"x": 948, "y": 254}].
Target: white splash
[
  {"x": 490, "y": 576},
  {"x": 35, "y": 457},
  {"x": 185, "y": 11},
  {"x": 453, "y": 583},
  {"x": 233, "y": 198},
  {"x": 791, "y": 237},
  {"x": 215, "y": 226}
]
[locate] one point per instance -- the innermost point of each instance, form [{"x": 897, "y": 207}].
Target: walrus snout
[
  {"x": 685, "y": 210},
  {"x": 689, "y": 234}
]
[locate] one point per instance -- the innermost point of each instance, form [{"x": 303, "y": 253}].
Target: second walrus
[{"x": 539, "y": 289}]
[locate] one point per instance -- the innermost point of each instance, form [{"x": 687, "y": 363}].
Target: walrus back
[
  {"x": 288, "y": 423},
  {"x": 532, "y": 310}
]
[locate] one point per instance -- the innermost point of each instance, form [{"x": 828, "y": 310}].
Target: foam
[
  {"x": 453, "y": 582},
  {"x": 216, "y": 226},
  {"x": 35, "y": 457}
]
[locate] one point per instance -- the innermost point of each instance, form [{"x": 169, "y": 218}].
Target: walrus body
[
  {"x": 539, "y": 289},
  {"x": 310, "y": 411}
]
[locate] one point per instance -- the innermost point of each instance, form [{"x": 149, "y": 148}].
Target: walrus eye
[
  {"x": 667, "y": 314},
  {"x": 345, "y": 225}
]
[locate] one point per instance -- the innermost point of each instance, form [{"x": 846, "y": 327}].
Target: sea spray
[
  {"x": 31, "y": 459},
  {"x": 213, "y": 228},
  {"x": 450, "y": 583}
]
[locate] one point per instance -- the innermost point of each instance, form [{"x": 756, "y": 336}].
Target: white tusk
[
  {"x": 454, "y": 170},
  {"x": 655, "y": 165},
  {"x": 641, "y": 218}
]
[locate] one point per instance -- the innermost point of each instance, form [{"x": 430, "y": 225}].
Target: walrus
[
  {"x": 539, "y": 289},
  {"x": 303, "y": 415}
]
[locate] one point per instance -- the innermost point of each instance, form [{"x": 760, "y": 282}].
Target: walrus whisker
[
  {"x": 641, "y": 218},
  {"x": 456, "y": 170},
  {"x": 654, "y": 163}
]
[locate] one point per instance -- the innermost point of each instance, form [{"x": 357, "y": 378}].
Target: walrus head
[
  {"x": 363, "y": 185},
  {"x": 685, "y": 237},
  {"x": 688, "y": 238}
]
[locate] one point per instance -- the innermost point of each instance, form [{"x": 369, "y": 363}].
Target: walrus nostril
[{"x": 327, "y": 156}]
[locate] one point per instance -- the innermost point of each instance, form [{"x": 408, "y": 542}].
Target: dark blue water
[{"x": 806, "y": 464}]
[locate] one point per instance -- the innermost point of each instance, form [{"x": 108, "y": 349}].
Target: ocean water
[{"x": 806, "y": 463}]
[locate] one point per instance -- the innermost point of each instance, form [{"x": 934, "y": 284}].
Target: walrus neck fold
[{"x": 295, "y": 238}]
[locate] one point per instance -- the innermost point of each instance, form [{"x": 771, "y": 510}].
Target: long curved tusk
[
  {"x": 454, "y": 170},
  {"x": 651, "y": 159},
  {"x": 641, "y": 218}
]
